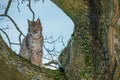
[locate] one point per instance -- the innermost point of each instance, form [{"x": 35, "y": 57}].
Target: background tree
[{"x": 92, "y": 52}]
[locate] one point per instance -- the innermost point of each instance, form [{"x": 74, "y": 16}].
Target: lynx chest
[{"x": 35, "y": 40}]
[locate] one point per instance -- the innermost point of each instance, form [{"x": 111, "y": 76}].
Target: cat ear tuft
[
  {"x": 29, "y": 22},
  {"x": 38, "y": 21}
]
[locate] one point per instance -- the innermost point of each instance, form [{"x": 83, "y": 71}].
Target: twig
[
  {"x": 63, "y": 44},
  {"x": 6, "y": 36},
  {"x": 53, "y": 41},
  {"x": 18, "y": 5},
  {"x": 10, "y": 43},
  {"x": 8, "y": 6},
  {"x": 52, "y": 52},
  {"x": 47, "y": 38},
  {"x": 48, "y": 51},
  {"x": 20, "y": 39},
  {"x": 15, "y": 26},
  {"x": 14, "y": 43},
  {"x": 6, "y": 15},
  {"x": 29, "y": 5}
]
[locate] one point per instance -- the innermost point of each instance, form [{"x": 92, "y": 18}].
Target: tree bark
[
  {"x": 14, "y": 67},
  {"x": 93, "y": 51}
]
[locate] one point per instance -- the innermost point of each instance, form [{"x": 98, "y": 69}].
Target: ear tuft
[
  {"x": 38, "y": 21},
  {"x": 29, "y": 22}
]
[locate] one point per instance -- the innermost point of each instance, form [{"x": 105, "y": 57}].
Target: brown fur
[{"x": 31, "y": 48}]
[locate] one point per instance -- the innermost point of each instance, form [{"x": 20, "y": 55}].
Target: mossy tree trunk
[
  {"x": 14, "y": 67},
  {"x": 93, "y": 51}
]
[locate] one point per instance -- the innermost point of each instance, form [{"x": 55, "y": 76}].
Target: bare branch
[
  {"x": 48, "y": 51},
  {"x": 52, "y": 52},
  {"x": 14, "y": 43},
  {"x": 18, "y": 6},
  {"x": 8, "y": 6},
  {"x": 62, "y": 41},
  {"x": 20, "y": 39},
  {"x": 47, "y": 38},
  {"x": 6, "y": 36},
  {"x": 29, "y": 5},
  {"x": 10, "y": 43},
  {"x": 13, "y": 23},
  {"x": 53, "y": 41},
  {"x": 6, "y": 15},
  {"x": 15, "y": 26},
  {"x": 39, "y": 0}
]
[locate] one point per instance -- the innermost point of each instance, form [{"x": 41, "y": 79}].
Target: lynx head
[{"x": 34, "y": 27}]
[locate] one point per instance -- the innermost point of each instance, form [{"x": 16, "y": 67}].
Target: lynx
[{"x": 32, "y": 45}]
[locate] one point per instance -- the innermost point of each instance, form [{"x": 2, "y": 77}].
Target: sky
[{"x": 54, "y": 21}]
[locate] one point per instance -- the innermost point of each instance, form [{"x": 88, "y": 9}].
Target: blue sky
[{"x": 54, "y": 21}]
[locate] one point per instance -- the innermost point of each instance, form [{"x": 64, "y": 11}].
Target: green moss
[
  {"x": 88, "y": 46},
  {"x": 14, "y": 67}
]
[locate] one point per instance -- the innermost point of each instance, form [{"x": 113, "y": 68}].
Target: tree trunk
[
  {"x": 93, "y": 51},
  {"x": 14, "y": 67}
]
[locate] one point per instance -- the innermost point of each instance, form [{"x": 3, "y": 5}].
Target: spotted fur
[{"x": 32, "y": 45}]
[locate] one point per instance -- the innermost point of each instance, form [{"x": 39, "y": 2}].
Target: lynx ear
[
  {"x": 38, "y": 21},
  {"x": 29, "y": 22}
]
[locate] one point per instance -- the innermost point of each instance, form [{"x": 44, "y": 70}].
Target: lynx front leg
[{"x": 36, "y": 58}]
